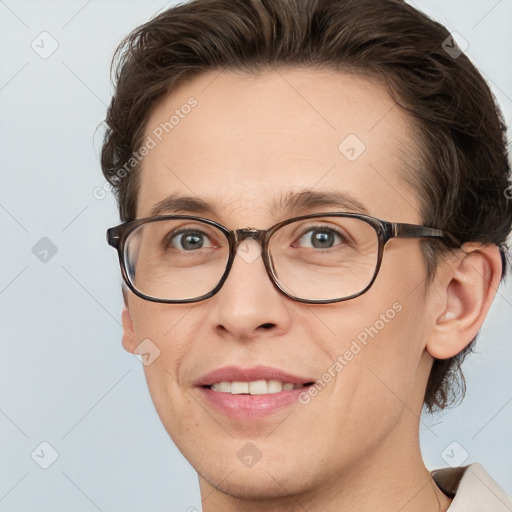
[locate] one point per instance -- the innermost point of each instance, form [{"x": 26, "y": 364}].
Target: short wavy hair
[{"x": 463, "y": 174}]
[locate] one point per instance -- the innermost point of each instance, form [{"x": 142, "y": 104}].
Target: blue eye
[
  {"x": 320, "y": 238},
  {"x": 189, "y": 240}
]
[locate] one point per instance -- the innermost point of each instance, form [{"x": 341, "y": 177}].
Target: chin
[{"x": 255, "y": 484}]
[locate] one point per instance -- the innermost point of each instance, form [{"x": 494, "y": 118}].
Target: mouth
[
  {"x": 255, "y": 387},
  {"x": 251, "y": 394}
]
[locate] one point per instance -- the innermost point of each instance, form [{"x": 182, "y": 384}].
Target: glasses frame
[{"x": 118, "y": 235}]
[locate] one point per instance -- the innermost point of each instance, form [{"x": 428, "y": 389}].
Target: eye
[
  {"x": 189, "y": 240},
  {"x": 320, "y": 238}
]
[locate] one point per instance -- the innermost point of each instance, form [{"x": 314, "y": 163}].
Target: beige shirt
[{"x": 472, "y": 489}]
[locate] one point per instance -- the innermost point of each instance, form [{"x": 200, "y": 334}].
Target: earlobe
[
  {"x": 129, "y": 339},
  {"x": 468, "y": 290}
]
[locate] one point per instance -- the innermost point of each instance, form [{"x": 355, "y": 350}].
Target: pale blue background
[{"x": 64, "y": 377}]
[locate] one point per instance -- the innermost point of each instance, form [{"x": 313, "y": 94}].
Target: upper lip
[{"x": 239, "y": 374}]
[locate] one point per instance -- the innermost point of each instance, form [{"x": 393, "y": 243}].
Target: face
[{"x": 248, "y": 145}]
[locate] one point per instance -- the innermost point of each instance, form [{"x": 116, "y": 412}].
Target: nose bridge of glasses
[{"x": 258, "y": 235}]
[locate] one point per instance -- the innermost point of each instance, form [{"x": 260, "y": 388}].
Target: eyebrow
[
  {"x": 308, "y": 200},
  {"x": 181, "y": 204},
  {"x": 290, "y": 203}
]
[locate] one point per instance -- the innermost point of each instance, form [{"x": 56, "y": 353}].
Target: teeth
[
  {"x": 239, "y": 388},
  {"x": 225, "y": 387},
  {"x": 274, "y": 386},
  {"x": 255, "y": 387},
  {"x": 258, "y": 387}
]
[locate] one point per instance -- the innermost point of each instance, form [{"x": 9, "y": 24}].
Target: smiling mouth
[
  {"x": 251, "y": 394},
  {"x": 255, "y": 387}
]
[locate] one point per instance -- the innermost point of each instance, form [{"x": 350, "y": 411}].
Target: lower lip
[{"x": 249, "y": 407}]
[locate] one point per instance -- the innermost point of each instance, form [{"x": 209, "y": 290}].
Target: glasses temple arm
[{"x": 401, "y": 230}]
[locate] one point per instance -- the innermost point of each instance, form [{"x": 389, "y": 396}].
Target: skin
[{"x": 355, "y": 446}]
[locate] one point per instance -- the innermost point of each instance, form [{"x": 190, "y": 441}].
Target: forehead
[{"x": 243, "y": 142}]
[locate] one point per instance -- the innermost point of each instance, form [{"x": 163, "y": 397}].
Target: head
[{"x": 245, "y": 107}]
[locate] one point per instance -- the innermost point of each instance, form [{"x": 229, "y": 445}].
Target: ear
[
  {"x": 129, "y": 339},
  {"x": 467, "y": 287}
]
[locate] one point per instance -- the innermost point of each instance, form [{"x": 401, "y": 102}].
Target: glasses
[{"x": 316, "y": 259}]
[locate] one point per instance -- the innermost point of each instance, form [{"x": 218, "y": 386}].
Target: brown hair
[{"x": 460, "y": 132}]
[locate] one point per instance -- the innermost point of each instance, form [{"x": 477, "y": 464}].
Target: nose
[{"x": 248, "y": 304}]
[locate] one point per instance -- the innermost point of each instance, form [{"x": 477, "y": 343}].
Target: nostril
[{"x": 267, "y": 325}]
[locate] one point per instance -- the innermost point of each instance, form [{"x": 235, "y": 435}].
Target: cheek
[
  {"x": 374, "y": 345},
  {"x": 170, "y": 330},
  {"x": 166, "y": 325}
]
